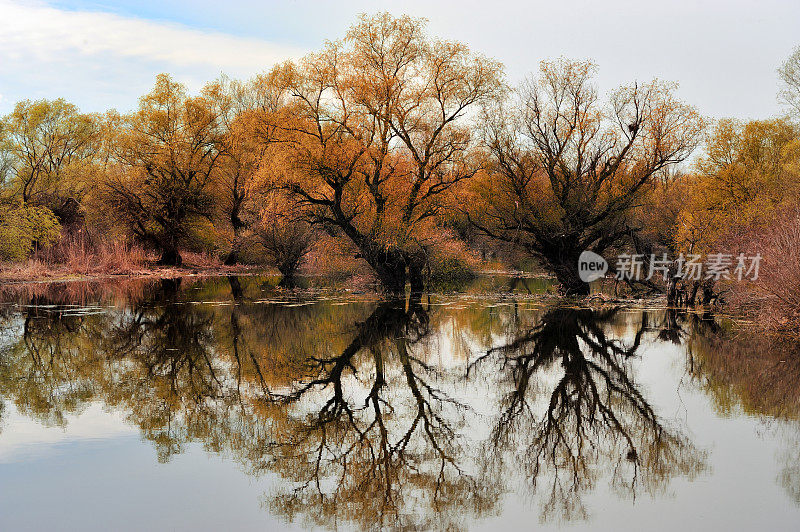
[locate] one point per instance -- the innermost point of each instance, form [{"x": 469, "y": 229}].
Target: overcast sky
[{"x": 101, "y": 54}]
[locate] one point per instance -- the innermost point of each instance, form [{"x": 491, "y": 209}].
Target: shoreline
[{"x": 9, "y": 277}]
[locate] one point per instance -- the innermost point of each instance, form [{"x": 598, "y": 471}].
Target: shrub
[
  {"x": 25, "y": 228},
  {"x": 450, "y": 260},
  {"x": 775, "y": 296}
]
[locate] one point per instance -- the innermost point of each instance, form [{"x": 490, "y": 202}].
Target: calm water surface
[{"x": 228, "y": 403}]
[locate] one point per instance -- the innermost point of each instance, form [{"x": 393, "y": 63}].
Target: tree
[
  {"x": 377, "y": 136},
  {"x": 284, "y": 235},
  {"x": 742, "y": 198},
  {"x": 23, "y": 228},
  {"x": 789, "y": 73},
  {"x": 748, "y": 172},
  {"x": 246, "y": 128},
  {"x": 566, "y": 171},
  {"x": 167, "y": 154},
  {"x": 47, "y": 149}
]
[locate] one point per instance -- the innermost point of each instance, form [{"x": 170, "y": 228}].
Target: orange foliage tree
[
  {"x": 375, "y": 135},
  {"x": 244, "y": 112}
]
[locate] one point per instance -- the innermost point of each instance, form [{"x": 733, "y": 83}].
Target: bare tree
[
  {"x": 566, "y": 170},
  {"x": 789, "y": 73}
]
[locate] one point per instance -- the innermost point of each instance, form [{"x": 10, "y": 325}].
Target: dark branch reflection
[
  {"x": 371, "y": 437},
  {"x": 572, "y": 412}
]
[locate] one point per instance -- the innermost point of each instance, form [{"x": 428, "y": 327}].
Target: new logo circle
[{"x": 591, "y": 266}]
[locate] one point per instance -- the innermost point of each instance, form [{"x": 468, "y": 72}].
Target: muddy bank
[{"x": 19, "y": 274}]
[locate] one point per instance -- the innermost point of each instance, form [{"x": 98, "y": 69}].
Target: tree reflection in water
[
  {"x": 574, "y": 413},
  {"x": 374, "y": 439},
  {"x": 743, "y": 371},
  {"x": 162, "y": 369},
  {"x": 39, "y": 354},
  {"x": 350, "y": 404}
]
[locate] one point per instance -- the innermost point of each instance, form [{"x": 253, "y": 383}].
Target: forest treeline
[{"x": 410, "y": 157}]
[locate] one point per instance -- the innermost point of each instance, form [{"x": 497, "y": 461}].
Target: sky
[{"x": 101, "y": 55}]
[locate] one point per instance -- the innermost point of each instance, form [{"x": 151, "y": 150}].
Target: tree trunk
[
  {"x": 673, "y": 294},
  {"x": 391, "y": 269},
  {"x": 170, "y": 257},
  {"x": 570, "y": 283},
  {"x": 693, "y": 295},
  {"x": 708, "y": 291},
  {"x": 393, "y": 280},
  {"x": 672, "y": 291},
  {"x": 288, "y": 271},
  {"x": 232, "y": 257},
  {"x": 415, "y": 278},
  {"x": 288, "y": 281},
  {"x": 238, "y": 225}
]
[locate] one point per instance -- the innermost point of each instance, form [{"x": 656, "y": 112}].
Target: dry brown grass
[
  {"x": 202, "y": 261},
  {"x": 31, "y": 269},
  {"x": 79, "y": 256}
]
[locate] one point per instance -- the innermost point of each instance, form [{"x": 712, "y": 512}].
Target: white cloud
[
  {"x": 723, "y": 52},
  {"x": 42, "y": 31},
  {"x": 25, "y": 439},
  {"x": 77, "y": 52}
]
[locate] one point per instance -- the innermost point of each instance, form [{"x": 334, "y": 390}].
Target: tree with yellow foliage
[
  {"x": 245, "y": 112},
  {"x": 749, "y": 172},
  {"x": 47, "y": 151},
  {"x": 167, "y": 155},
  {"x": 742, "y": 198},
  {"x": 48, "y": 148}
]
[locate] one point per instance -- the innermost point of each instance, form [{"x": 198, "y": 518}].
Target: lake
[{"x": 232, "y": 403}]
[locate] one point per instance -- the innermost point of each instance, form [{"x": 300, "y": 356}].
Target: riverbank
[
  {"x": 38, "y": 272},
  {"x": 98, "y": 267}
]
